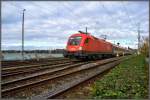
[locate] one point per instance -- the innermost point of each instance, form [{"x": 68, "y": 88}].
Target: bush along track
[{"x": 127, "y": 80}]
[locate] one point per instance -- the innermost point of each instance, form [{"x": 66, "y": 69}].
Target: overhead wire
[
  {"x": 109, "y": 13},
  {"x": 133, "y": 23},
  {"x": 125, "y": 9},
  {"x": 77, "y": 16},
  {"x": 71, "y": 11}
]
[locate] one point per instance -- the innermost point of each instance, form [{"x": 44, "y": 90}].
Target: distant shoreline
[
  {"x": 12, "y": 56},
  {"x": 35, "y": 51}
]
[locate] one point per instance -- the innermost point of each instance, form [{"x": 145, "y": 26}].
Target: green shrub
[{"x": 127, "y": 80}]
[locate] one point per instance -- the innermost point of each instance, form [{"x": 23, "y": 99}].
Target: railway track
[
  {"x": 8, "y": 64},
  {"x": 29, "y": 68},
  {"x": 36, "y": 78},
  {"x": 43, "y": 71},
  {"x": 55, "y": 80}
]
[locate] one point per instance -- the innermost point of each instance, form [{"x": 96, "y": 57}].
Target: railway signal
[{"x": 118, "y": 43}]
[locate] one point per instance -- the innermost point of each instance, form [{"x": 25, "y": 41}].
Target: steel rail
[
  {"x": 36, "y": 81},
  {"x": 5, "y": 70},
  {"x": 34, "y": 69},
  {"x": 23, "y": 63},
  {"x": 79, "y": 68},
  {"x": 66, "y": 87}
]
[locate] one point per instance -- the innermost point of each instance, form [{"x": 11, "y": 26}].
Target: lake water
[{"x": 18, "y": 56}]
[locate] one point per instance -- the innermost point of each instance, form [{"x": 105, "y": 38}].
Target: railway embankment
[{"x": 128, "y": 80}]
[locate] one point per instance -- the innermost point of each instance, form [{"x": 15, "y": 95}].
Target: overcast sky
[{"x": 48, "y": 24}]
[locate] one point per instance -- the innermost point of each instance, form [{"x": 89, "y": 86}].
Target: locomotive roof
[
  {"x": 91, "y": 36},
  {"x": 88, "y": 35}
]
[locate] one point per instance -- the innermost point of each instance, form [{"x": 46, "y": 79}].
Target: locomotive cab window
[
  {"x": 86, "y": 41},
  {"x": 75, "y": 40}
]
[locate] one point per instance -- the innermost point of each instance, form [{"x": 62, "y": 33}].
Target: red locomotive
[{"x": 84, "y": 45}]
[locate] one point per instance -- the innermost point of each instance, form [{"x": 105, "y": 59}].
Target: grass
[{"x": 128, "y": 80}]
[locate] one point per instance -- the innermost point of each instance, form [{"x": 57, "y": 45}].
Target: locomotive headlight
[{"x": 80, "y": 48}]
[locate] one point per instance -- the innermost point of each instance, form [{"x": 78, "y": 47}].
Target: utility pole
[
  {"x": 23, "y": 35},
  {"x": 138, "y": 38}
]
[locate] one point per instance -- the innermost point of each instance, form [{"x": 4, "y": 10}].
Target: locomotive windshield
[{"x": 75, "y": 40}]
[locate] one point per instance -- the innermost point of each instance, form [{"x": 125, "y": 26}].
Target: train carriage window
[{"x": 86, "y": 41}]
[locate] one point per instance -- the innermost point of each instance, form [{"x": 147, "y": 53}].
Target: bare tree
[{"x": 145, "y": 47}]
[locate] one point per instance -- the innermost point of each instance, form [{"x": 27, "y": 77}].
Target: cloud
[{"x": 48, "y": 24}]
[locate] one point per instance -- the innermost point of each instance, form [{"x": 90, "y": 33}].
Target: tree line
[
  {"x": 144, "y": 48},
  {"x": 35, "y": 51}
]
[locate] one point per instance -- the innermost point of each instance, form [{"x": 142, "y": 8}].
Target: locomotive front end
[{"x": 74, "y": 47}]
